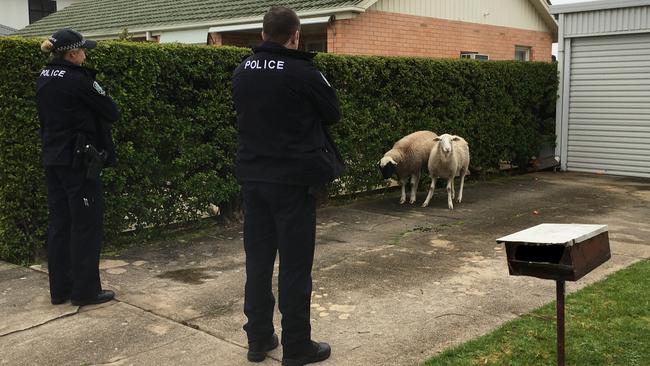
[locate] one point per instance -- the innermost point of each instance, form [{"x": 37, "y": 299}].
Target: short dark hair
[{"x": 280, "y": 23}]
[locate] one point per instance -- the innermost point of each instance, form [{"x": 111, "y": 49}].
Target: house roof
[
  {"x": 110, "y": 17},
  {"x": 5, "y": 31}
]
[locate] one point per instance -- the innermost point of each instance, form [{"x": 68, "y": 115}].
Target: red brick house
[{"x": 487, "y": 29}]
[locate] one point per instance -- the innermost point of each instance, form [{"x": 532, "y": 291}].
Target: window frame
[
  {"x": 472, "y": 55},
  {"x": 526, "y": 50}
]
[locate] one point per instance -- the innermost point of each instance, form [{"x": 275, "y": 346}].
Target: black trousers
[
  {"x": 279, "y": 219},
  {"x": 75, "y": 233}
]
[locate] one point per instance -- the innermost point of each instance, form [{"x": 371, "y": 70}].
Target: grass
[{"x": 607, "y": 323}]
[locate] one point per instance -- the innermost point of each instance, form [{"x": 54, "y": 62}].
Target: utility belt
[{"x": 85, "y": 155}]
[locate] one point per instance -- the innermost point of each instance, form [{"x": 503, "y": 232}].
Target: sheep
[
  {"x": 448, "y": 159},
  {"x": 406, "y": 158}
]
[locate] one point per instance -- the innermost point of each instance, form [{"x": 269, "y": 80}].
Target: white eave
[
  {"x": 597, "y": 5},
  {"x": 543, "y": 9},
  {"x": 258, "y": 25},
  {"x": 314, "y": 14}
]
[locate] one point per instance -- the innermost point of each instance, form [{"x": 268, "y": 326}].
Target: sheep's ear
[
  {"x": 385, "y": 160},
  {"x": 437, "y": 138},
  {"x": 455, "y": 138}
]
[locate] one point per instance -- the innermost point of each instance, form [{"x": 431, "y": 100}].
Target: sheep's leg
[
  {"x": 450, "y": 203},
  {"x": 430, "y": 194},
  {"x": 403, "y": 182},
  {"x": 462, "y": 183},
  {"x": 453, "y": 189},
  {"x": 415, "y": 180}
]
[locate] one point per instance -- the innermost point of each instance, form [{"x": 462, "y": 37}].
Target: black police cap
[{"x": 68, "y": 39}]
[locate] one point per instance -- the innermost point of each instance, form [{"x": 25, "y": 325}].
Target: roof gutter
[
  {"x": 224, "y": 22},
  {"x": 597, "y": 5}
]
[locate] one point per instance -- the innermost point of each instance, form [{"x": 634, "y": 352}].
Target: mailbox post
[{"x": 560, "y": 252}]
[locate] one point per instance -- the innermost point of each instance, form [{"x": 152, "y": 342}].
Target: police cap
[{"x": 68, "y": 39}]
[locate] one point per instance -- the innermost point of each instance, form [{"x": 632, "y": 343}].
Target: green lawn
[{"x": 607, "y": 323}]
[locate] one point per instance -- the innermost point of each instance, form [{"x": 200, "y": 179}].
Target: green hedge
[{"x": 176, "y": 140}]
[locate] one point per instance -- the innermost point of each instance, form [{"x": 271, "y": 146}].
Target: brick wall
[
  {"x": 240, "y": 39},
  {"x": 214, "y": 39},
  {"x": 391, "y": 34}
]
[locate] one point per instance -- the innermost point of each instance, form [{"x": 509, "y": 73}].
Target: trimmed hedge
[{"x": 176, "y": 140}]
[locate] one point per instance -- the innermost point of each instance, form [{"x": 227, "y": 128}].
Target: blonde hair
[{"x": 47, "y": 46}]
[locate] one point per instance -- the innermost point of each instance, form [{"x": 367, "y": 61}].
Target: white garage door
[{"x": 609, "y": 99}]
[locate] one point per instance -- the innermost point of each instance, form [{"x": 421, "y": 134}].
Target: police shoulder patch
[{"x": 98, "y": 88}]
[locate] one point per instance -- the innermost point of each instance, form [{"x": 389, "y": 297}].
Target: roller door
[{"x": 609, "y": 105}]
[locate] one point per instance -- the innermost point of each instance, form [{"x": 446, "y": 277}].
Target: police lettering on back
[
  {"x": 266, "y": 65},
  {"x": 52, "y": 73}
]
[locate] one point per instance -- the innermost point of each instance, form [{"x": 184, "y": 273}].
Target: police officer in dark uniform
[
  {"x": 75, "y": 115},
  {"x": 285, "y": 154}
]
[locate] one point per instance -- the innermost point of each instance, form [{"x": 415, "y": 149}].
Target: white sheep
[
  {"x": 448, "y": 159},
  {"x": 407, "y": 158}
]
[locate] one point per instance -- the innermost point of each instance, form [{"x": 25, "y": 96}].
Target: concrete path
[{"x": 393, "y": 284}]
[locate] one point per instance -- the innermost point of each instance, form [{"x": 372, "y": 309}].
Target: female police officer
[{"x": 75, "y": 116}]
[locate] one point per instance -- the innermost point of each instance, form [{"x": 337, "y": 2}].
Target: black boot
[
  {"x": 102, "y": 297},
  {"x": 316, "y": 353},
  {"x": 59, "y": 300},
  {"x": 257, "y": 350}
]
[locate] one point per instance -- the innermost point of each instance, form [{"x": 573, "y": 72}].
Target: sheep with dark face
[
  {"x": 448, "y": 159},
  {"x": 406, "y": 159}
]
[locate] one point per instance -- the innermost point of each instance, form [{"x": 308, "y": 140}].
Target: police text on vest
[
  {"x": 52, "y": 73},
  {"x": 266, "y": 65}
]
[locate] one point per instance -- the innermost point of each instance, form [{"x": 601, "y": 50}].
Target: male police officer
[
  {"x": 75, "y": 116},
  {"x": 282, "y": 102}
]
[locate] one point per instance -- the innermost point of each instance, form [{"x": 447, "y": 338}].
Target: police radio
[{"x": 86, "y": 155}]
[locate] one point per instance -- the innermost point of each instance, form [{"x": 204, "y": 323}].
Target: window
[
  {"x": 39, "y": 9},
  {"x": 474, "y": 56},
  {"x": 522, "y": 53},
  {"x": 316, "y": 46}
]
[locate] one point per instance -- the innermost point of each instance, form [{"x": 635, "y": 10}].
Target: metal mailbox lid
[{"x": 555, "y": 234}]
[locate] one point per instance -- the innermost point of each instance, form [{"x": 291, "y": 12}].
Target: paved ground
[{"x": 393, "y": 284}]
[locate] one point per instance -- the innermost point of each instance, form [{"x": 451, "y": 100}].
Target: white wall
[
  {"x": 14, "y": 13},
  {"x": 60, "y": 4},
  {"x": 191, "y": 36},
  {"x": 519, "y": 14}
]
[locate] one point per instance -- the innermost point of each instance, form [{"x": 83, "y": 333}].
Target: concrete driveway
[{"x": 393, "y": 284}]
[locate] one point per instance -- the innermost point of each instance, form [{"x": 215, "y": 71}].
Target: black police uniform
[
  {"x": 283, "y": 104},
  {"x": 72, "y": 104}
]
